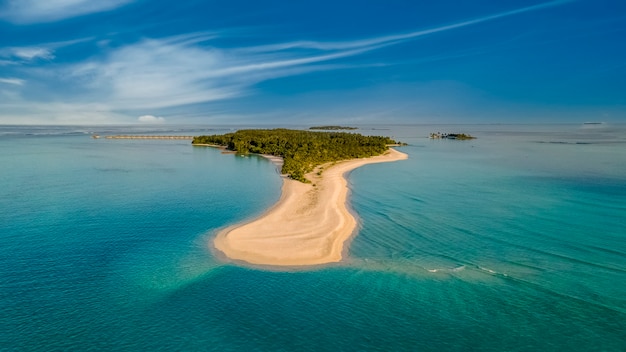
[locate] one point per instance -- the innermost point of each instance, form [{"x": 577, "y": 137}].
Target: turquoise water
[{"x": 514, "y": 241}]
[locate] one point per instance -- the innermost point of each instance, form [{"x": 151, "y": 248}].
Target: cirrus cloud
[
  {"x": 38, "y": 11},
  {"x": 13, "y": 81}
]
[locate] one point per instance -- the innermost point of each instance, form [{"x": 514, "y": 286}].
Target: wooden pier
[{"x": 148, "y": 137}]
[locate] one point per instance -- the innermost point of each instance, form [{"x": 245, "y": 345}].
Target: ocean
[{"x": 514, "y": 241}]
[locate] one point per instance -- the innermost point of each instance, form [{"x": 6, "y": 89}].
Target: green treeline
[
  {"x": 463, "y": 136},
  {"x": 301, "y": 151},
  {"x": 333, "y": 127},
  {"x": 459, "y": 136}
]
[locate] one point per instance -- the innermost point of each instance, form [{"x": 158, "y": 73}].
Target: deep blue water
[{"x": 515, "y": 241}]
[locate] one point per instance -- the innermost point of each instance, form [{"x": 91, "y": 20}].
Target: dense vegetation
[
  {"x": 332, "y": 128},
  {"x": 461, "y": 136},
  {"x": 301, "y": 151}
]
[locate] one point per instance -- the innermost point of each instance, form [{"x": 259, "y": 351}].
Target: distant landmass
[
  {"x": 301, "y": 151},
  {"x": 459, "y": 136},
  {"x": 333, "y": 128}
]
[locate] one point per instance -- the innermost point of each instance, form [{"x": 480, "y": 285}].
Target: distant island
[
  {"x": 301, "y": 151},
  {"x": 333, "y": 128},
  {"x": 459, "y": 136}
]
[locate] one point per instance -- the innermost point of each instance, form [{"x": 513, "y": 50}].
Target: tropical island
[
  {"x": 310, "y": 222},
  {"x": 333, "y": 128},
  {"x": 459, "y": 136},
  {"x": 301, "y": 151}
]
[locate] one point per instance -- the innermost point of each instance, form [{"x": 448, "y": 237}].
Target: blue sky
[{"x": 242, "y": 61}]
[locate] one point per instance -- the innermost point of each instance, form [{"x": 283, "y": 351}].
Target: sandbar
[{"x": 307, "y": 226}]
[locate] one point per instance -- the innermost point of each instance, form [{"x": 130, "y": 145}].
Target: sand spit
[{"x": 307, "y": 226}]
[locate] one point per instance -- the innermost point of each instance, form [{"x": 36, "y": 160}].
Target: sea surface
[{"x": 515, "y": 241}]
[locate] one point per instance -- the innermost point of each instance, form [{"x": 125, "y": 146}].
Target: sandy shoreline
[{"x": 307, "y": 226}]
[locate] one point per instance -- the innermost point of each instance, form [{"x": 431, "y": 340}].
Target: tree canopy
[
  {"x": 301, "y": 151},
  {"x": 332, "y": 127}
]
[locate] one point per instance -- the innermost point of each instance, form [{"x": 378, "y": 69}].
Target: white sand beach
[{"x": 307, "y": 226}]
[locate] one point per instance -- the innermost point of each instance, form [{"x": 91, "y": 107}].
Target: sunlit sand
[{"x": 307, "y": 226}]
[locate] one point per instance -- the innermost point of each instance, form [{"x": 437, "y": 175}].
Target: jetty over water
[{"x": 148, "y": 137}]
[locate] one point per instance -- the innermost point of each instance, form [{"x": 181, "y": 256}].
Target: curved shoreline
[{"x": 307, "y": 226}]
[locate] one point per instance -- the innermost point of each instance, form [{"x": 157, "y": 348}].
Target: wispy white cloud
[
  {"x": 150, "y": 119},
  {"x": 14, "y": 81},
  {"x": 31, "y": 53},
  {"x": 191, "y": 38},
  {"x": 161, "y": 73},
  {"x": 24, "y": 54},
  {"x": 15, "y": 55},
  {"x": 355, "y": 44},
  {"x": 39, "y": 11},
  {"x": 155, "y": 74}
]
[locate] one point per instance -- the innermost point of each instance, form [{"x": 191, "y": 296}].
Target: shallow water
[{"x": 513, "y": 241}]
